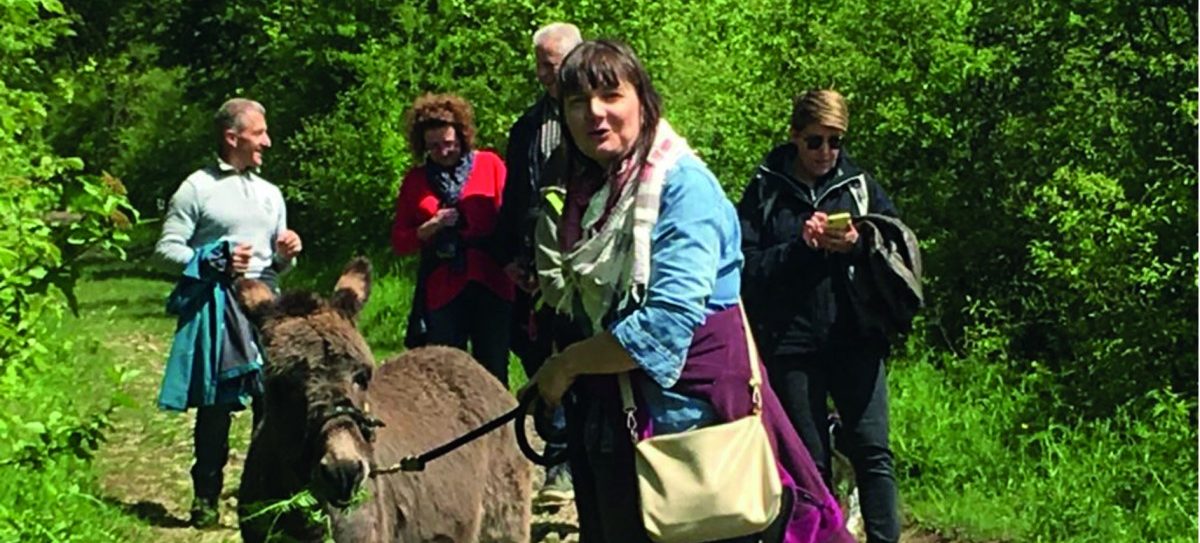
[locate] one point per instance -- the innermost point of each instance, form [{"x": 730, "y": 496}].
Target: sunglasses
[{"x": 814, "y": 142}]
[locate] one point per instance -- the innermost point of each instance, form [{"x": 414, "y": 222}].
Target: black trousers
[
  {"x": 857, "y": 383},
  {"x": 210, "y": 441},
  {"x": 532, "y": 343},
  {"x": 479, "y": 317}
]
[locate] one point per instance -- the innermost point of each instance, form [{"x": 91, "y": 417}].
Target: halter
[{"x": 366, "y": 422}]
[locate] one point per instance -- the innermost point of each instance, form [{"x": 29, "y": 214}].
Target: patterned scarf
[
  {"x": 598, "y": 253},
  {"x": 447, "y": 183}
]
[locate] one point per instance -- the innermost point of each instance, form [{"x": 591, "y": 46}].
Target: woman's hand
[
  {"x": 553, "y": 379},
  {"x": 839, "y": 240},
  {"x": 818, "y": 235},
  {"x": 600, "y": 354},
  {"x": 443, "y": 218},
  {"x": 814, "y": 228}
]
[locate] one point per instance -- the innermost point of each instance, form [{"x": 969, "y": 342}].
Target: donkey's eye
[{"x": 361, "y": 379}]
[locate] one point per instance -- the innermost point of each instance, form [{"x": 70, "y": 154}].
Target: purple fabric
[{"x": 718, "y": 371}]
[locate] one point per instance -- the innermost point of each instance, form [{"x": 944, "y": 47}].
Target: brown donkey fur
[{"x": 322, "y": 389}]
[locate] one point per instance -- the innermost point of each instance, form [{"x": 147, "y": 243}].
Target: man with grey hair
[
  {"x": 536, "y": 158},
  {"x": 223, "y": 222}
]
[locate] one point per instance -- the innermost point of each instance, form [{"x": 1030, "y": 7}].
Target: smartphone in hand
[{"x": 838, "y": 221}]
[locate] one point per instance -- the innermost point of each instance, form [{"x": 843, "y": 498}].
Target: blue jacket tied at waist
[{"x": 214, "y": 359}]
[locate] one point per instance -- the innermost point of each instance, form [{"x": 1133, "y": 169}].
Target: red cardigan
[{"x": 479, "y": 205}]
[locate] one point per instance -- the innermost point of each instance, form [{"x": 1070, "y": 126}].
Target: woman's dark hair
[{"x": 604, "y": 64}]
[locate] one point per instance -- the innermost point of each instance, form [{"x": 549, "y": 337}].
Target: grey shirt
[{"x": 219, "y": 203}]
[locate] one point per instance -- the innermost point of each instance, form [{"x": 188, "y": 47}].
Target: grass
[
  {"x": 137, "y": 488},
  {"x": 975, "y": 451}
]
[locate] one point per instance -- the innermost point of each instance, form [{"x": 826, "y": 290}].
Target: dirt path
[{"x": 143, "y": 467}]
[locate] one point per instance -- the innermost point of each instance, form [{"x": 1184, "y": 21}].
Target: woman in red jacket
[{"x": 446, "y": 210}]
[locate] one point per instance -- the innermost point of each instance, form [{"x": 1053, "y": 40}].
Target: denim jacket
[{"x": 695, "y": 271}]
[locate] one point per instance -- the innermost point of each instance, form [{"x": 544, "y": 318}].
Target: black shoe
[{"x": 204, "y": 513}]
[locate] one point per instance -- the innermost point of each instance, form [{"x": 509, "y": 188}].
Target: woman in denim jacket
[{"x": 644, "y": 263}]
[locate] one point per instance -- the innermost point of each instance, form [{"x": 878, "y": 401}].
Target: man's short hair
[
  {"x": 565, "y": 34},
  {"x": 826, "y": 107},
  {"x": 229, "y": 115}
]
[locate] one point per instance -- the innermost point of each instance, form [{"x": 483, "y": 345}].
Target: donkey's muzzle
[{"x": 340, "y": 479}]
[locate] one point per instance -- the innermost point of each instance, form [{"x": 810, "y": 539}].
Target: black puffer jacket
[{"x": 797, "y": 297}]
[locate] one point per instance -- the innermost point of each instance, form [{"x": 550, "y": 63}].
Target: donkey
[{"x": 332, "y": 416}]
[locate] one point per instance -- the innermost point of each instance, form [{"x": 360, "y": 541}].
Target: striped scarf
[{"x": 603, "y": 255}]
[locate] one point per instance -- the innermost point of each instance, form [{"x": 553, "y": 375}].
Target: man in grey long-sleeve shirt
[{"x": 228, "y": 201}]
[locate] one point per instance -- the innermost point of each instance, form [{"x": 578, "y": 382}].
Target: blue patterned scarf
[{"x": 447, "y": 183}]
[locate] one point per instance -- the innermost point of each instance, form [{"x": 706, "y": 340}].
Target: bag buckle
[{"x": 631, "y": 424}]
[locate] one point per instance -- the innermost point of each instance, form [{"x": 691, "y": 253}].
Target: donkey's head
[{"x": 317, "y": 373}]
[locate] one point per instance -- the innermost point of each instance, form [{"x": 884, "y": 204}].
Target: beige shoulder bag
[{"x": 716, "y": 482}]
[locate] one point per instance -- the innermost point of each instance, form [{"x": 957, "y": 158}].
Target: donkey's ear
[
  {"x": 256, "y": 298},
  {"x": 353, "y": 288}
]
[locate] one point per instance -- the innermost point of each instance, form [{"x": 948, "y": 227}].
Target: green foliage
[
  {"x": 54, "y": 213},
  {"x": 48, "y": 435},
  {"x": 978, "y": 451},
  {"x": 55, "y": 506},
  {"x": 305, "y": 504},
  {"x": 1122, "y": 327}
]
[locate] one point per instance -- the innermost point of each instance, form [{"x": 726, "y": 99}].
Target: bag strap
[
  {"x": 752, "y": 352},
  {"x": 629, "y": 407}
]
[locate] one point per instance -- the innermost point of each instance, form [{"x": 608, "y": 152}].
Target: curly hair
[{"x": 437, "y": 110}]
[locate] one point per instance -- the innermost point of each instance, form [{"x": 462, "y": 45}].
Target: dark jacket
[
  {"x": 513, "y": 238},
  {"x": 886, "y": 286},
  {"x": 798, "y": 297}
]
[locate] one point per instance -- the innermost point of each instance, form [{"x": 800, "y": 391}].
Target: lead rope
[{"x": 418, "y": 462}]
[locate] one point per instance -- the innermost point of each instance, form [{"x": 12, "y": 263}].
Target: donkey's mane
[{"x": 299, "y": 303}]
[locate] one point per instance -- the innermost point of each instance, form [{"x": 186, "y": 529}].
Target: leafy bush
[
  {"x": 1122, "y": 326},
  {"x": 48, "y": 436},
  {"x": 55, "y": 505},
  {"x": 53, "y": 213}
]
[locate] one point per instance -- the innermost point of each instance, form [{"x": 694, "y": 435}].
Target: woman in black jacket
[{"x": 797, "y": 270}]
